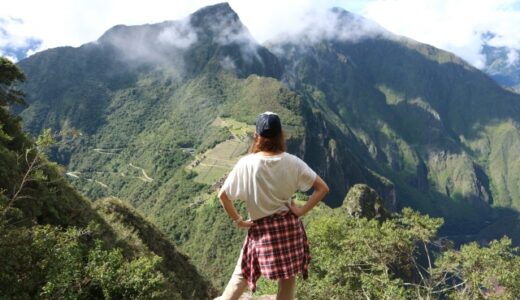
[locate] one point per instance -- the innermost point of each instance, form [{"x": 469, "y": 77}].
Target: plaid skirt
[{"x": 276, "y": 247}]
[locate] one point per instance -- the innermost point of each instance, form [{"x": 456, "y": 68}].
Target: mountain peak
[
  {"x": 210, "y": 21},
  {"x": 218, "y": 8},
  {"x": 343, "y": 12},
  {"x": 214, "y": 12}
]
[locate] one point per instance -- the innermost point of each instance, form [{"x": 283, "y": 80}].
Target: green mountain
[
  {"x": 441, "y": 131},
  {"x": 158, "y": 114},
  {"x": 55, "y": 244}
]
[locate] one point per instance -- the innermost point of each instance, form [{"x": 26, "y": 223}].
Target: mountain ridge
[
  {"x": 416, "y": 123},
  {"x": 439, "y": 112}
]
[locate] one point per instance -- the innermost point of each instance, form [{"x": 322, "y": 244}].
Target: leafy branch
[{"x": 34, "y": 159}]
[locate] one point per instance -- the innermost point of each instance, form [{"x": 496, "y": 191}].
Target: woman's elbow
[
  {"x": 325, "y": 188},
  {"x": 321, "y": 185}
]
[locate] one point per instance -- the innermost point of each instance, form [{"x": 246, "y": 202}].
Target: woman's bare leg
[
  {"x": 237, "y": 284},
  {"x": 286, "y": 289}
]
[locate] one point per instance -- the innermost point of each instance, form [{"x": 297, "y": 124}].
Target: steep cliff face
[{"x": 333, "y": 155}]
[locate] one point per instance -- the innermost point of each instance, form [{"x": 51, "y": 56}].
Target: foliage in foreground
[
  {"x": 47, "y": 262},
  {"x": 402, "y": 258}
]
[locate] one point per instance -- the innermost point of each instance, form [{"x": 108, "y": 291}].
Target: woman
[{"x": 276, "y": 245}]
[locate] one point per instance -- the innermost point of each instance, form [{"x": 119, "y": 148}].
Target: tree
[
  {"x": 476, "y": 272},
  {"x": 402, "y": 258},
  {"x": 33, "y": 162},
  {"x": 49, "y": 262},
  {"x": 10, "y": 75},
  {"x": 356, "y": 258}
]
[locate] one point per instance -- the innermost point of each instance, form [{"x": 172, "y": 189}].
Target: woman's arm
[
  {"x": 232, "y": 212},
  {"x": 320, "y": 190}
]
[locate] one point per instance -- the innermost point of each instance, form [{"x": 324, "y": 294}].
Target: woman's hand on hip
[
  {"x": 298, "y": 211},
  {"x": 244, "y": 224},
  {"x": 320, "y": 190}
]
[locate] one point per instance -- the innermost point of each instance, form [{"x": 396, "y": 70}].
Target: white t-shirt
[{"x": 267, "y": 183}]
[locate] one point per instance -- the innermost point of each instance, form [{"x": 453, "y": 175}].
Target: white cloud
[
  {"x": 512, "y": 56},
  {"x": 9, "y": 57},
  {"x": 228, "y": 64},
  {"x": 14, "y": 46},
  {"x": 63, "y": 22},
  {"x": 180, "y": 36},
  {"x": 452, "y": 25},
  {"x": 456, "y": 26},
  {"x": 330, "y": 24},
  {"x": 266, "y": 19},
  {"x": 72, "y": 23}
]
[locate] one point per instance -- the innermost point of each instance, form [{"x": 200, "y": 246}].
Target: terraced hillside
[{"x": 213, "y": 165}]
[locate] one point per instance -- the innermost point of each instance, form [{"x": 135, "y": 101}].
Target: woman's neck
[{"x": 268, "y": 153}]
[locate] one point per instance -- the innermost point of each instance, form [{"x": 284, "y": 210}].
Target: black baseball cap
[{"x": 268, "y": 124}]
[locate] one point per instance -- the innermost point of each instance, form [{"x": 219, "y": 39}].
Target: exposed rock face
[
  {"x": 457, "y": 176},
  {"x": 363, "y": 201}
]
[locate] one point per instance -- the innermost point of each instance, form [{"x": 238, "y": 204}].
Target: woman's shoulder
[
  {"x": 246, "y": 159},
  {"x": 296, "y": 161},
  {"x": 292, "y": 157}
]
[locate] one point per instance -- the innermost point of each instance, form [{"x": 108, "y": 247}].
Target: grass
[
  {"x": 240, "y": 130},
  {"x": 392, "y": 97},
  {"x": 215, "y": 163}
]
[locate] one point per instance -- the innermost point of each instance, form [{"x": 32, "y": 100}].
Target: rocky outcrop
[{"x": 364, "y": 202}]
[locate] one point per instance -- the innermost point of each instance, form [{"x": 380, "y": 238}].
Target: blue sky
[{"x": 28, "y": 26}]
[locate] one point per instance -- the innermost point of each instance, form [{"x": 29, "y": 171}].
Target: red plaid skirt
[{"x": 276, "y": 247}]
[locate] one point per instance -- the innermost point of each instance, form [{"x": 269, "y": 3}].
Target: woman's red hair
[{"x": 269, "y": 144}]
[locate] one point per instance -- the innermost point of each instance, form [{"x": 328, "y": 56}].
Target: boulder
[{"x": 364, "y": 202}]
